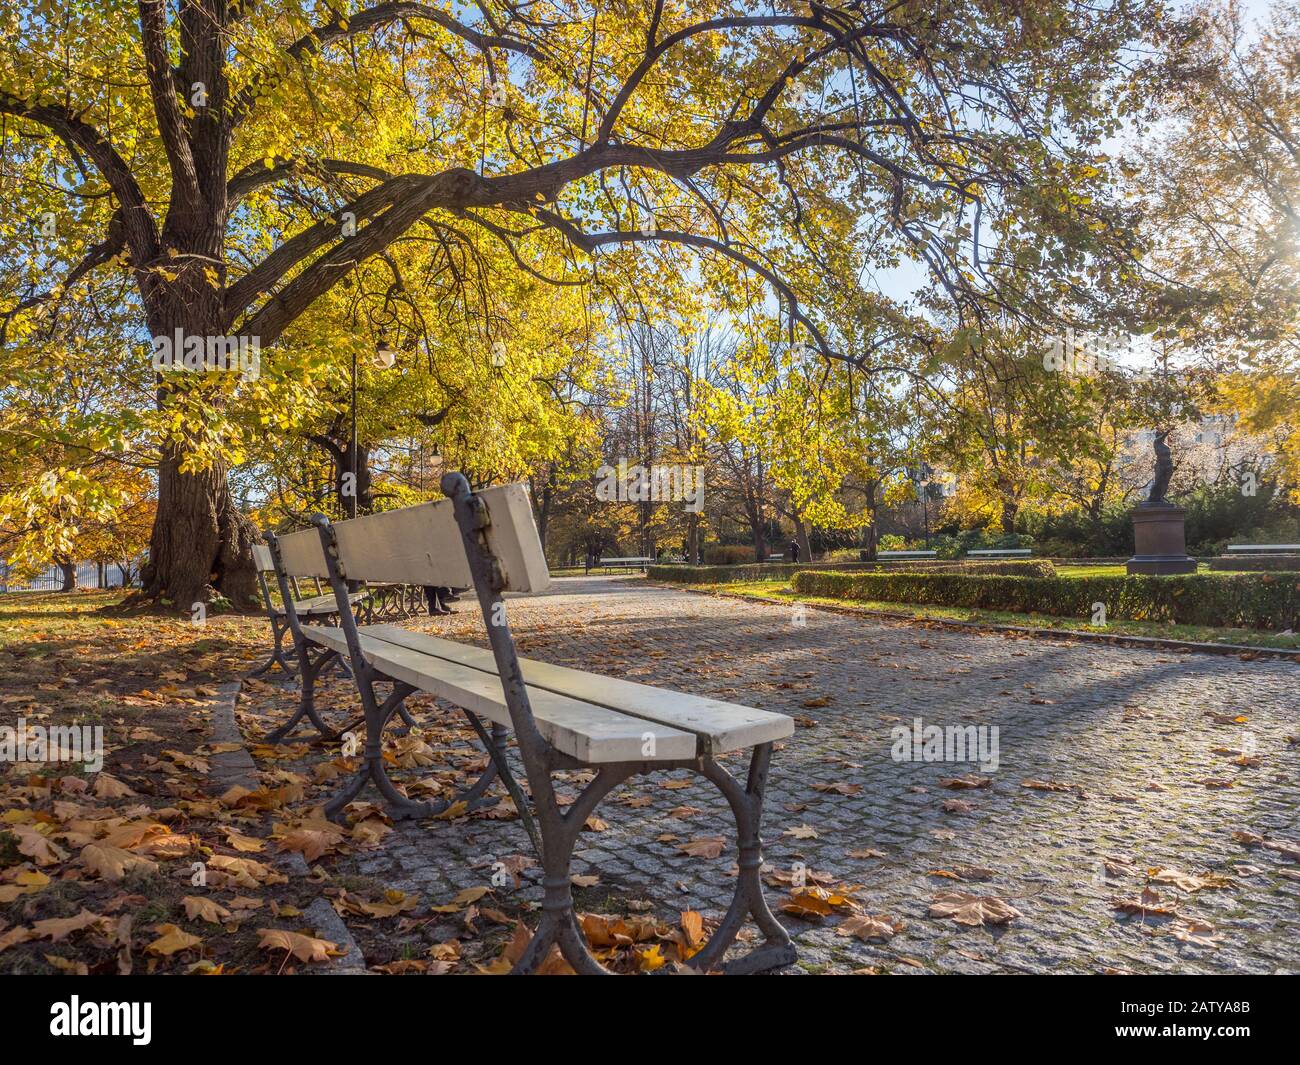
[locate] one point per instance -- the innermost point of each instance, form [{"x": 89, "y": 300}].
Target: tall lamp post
[
  {"x": 923, "y": 473},
  {"x": 384, "y": 358}
]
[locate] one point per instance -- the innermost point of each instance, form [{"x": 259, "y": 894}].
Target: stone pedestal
[{"x": 1159, "y": 540}]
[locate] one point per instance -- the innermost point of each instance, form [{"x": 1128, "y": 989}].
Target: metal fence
[{"x": 51, "y": 580}]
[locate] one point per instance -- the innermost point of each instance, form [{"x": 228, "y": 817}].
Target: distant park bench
[
  {"x": 1000, "y": 552},
  {"x": 631, "y": 562},
  {"x": 1263, "y": 549},
  {"x": 563, "y": 719},
  {"x": 885, "y": 556}
]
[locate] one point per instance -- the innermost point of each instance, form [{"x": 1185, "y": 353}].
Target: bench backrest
[
  {"x": 262, "y": 559},
  {"x": 422, "y": 545}
]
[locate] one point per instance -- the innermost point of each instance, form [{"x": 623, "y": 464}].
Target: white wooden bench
[
  {"x": 562, "y": 718},
  {"x": 321, "y": 607},
  {"x": 1263, "y": 549},
  {"x": 1001, "y": 552},
  {"x": 630, "y": 562},
  {"x": 885, "y": 556}
]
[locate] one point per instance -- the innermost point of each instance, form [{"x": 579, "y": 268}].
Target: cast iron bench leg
[
  {"x": 372, "y": 769},
  {"x": 307, "y": 697},
  {"x": 559, "y": 923},
  {"x": 279, "y": 628},
  {"x": 777, "y": 951}
]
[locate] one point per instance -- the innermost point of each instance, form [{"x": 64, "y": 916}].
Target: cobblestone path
[{"x": 1141, "y": 742}]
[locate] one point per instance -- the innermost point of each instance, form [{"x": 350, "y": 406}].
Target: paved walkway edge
[
  {"x": 229, "y": 768},
  {"x": 327, "y": 924},
  {"x": 1153, "y": 643}
]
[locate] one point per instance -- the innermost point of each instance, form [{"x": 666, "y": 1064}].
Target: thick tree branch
[
  {"x": 171, "y": 123},
  {"x": 258, "y": 175},
  {"x": 266, "y": 274}
]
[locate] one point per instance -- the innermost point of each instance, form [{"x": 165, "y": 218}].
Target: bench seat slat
[
  {"x": 721, "y": 726},
  {"x": 320, "y": 604},
  {"x": 588, "y": 732}
]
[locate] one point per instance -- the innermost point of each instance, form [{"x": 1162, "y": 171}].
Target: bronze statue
[{"x": 1164, "y": 470}]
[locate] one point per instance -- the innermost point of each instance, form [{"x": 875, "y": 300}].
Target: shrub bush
[
  {"x": 1004, "y": 567},
  {"x": 1257, "y": 562},
  {"x": 727, "y": 554},
  {"x": 755, "y": 571},
  {"x": 842, "y": 554},
  {"x": 1259, "y": 601}
]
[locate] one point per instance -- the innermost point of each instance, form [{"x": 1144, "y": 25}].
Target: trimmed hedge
[
  {"x": 1290, "y": 563},
  {"x": 1257, "y": 601},
  {"x": 1026, "y": 567},
  {"x": 1004, "y": 567},
  {"x": 755, "y": 571}
]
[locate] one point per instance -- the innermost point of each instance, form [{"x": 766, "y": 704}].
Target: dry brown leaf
[
  {"x": 1147, "y": 903},
  {"x": 692, "y": 928},
  {"x": 866, "y": 927},
  {"x": 109, "y": 787},
  {"x": 171, "y": 940},
  {"x": 246, "y": 844},
  {"x": 704, "y": 847},
  {"x": 201, "y": 909},
  {"x": 113, "y": 863},
  {"x": 839, "y": 788},
  {"x": 58, "y": 928},
  {"x": 1192, "y": 931},
  {"x": 966, "y": 782},
  {"x": 25, "y": 882},
  {"x": 312, "y": 842},
  {"x": 1188, "y": 882},
  {"x": 963, "y": 872},
  {"x": 973, "y": 910},
  {"x": 304, "y": 948},
  {"x": 37, "y": 846}
]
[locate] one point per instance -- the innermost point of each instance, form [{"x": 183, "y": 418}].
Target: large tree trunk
[
  {"x": 69, "y": 571},
  {"x": 692, "y": 539},
  {"x": 871, "y": 534},
  {"x": 201, "y": 544},
  {"x": 871, "y": 541},
  {"x": 801, "y": 536},
  {"x": 1010, "y": 508},
  {"x": 755, "y": 520},
  {"x": 542, "y": 505}
]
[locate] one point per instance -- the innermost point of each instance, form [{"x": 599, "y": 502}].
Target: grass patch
[{"x": 1116, "y": 570}]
